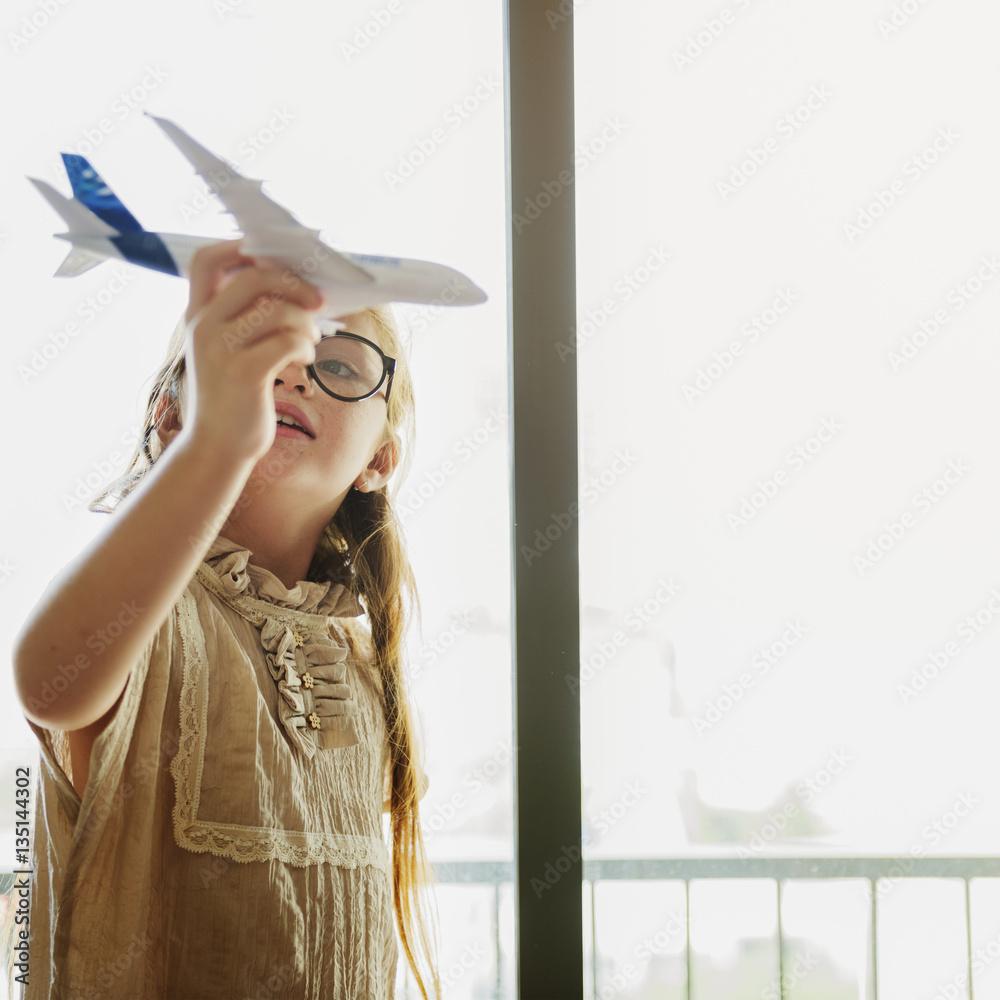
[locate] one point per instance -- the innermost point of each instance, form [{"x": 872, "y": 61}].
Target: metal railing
[{"x": 496, "y": 873}]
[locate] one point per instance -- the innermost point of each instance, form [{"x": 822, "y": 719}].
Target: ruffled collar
[{"x": 231, "y": 563}]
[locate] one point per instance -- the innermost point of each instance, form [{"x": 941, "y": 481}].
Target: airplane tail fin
[{"x": 90, "y": 189}]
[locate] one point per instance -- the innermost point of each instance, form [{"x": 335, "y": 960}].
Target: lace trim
[{"x": 240, "y": 843}]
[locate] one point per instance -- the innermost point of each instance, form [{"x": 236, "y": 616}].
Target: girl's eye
[{"x": 336, "y": 367}]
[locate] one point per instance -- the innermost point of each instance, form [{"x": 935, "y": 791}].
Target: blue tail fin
[
  {"x": 133, "y": 242},
  {"x": 89, "y": 188}
]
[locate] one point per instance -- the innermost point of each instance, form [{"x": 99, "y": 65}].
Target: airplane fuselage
[{"x": 171, "y": 253}]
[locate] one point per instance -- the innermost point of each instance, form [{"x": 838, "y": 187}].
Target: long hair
[{"x": 363, "y": 546}]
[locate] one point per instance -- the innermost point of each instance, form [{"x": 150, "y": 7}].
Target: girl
[{"x": 220, "y": 733}]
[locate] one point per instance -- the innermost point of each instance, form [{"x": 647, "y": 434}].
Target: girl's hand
[{"x": 242, "y": 330}]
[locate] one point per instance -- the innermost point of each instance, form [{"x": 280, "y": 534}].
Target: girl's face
[{"x": 348, "y": 436}]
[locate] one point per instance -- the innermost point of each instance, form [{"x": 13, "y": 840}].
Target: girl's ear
[
  {"x": 166, "y": 420},
  {"x": 382, "y": 465}
]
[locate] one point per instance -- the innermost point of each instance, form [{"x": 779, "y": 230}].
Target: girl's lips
[
  {"x": 294, "y": 432},
  {"x": 290, "y": 410}
]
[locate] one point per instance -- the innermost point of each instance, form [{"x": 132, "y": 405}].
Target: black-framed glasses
[{"x": 351, "y": 368}]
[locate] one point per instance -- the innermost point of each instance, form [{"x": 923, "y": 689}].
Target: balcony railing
[{"x": 498, "y": 873}]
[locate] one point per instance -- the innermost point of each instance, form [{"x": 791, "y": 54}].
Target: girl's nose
[{"x": 297, "y": 375}]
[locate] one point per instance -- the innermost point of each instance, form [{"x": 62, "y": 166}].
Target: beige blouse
[{"x": 229, "y": 843}]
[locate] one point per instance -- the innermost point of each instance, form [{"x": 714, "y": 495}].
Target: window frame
[{"x": 545, "y": 586}]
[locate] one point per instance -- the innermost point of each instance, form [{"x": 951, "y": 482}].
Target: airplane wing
[{"x": 268, "y": 229}]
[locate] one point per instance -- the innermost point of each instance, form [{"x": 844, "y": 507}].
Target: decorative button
[
  {"x": 307, "y": 681},
  {"x": 314, "y": 720},
  {"x": 299, "y": 639}
]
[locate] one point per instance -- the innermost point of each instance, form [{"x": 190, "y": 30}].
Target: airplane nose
[{"x": 469, "y": 293}]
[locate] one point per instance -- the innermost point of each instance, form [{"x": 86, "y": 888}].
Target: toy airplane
[{"x": 101, "y": 227}]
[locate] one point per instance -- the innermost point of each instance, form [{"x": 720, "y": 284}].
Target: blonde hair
[{"x": 363, "y": 547}]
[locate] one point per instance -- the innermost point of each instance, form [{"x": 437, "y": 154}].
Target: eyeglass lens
[{"x": 348, "y": 367}]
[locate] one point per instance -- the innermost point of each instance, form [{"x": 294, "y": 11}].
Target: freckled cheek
[
  {"x": 342, "y": 446},
  {"x": 347, "y": 432}
]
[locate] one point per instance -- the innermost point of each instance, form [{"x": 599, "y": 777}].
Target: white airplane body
[{"x": 100, "y": 227}]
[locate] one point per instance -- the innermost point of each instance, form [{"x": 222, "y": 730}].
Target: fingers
[
  {"x": 279, "y": 347},
  {"x": 258, "y": 301},
  {"x": 209, "y": 266},
  {"x": 248, "y": 321}
]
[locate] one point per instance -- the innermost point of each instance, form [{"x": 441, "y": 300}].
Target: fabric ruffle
[
  {"x": 231, "y": 563},
  {"x": 316, "y": 707}
]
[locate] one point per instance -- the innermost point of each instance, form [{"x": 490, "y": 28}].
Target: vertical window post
[{"x": 538, "y": 93}]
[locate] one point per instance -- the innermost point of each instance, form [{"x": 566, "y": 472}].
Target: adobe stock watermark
[
  {"x": 583, "y": 156},
  {"x": 258, "y": 140},
  {"x": 795, "y": 971},
  {"x": 248, "y": 149},
  {"x": 796, "y": 459},
  {"x": 88, "y": 310},
  {"x": 712, "y": 29},
  {"x": 98, "y": 641},
  {"x": 670, "y": 936},
  {"x": 275, "y": 986},
  {"x": 122, "y": 107},
  {"x": 939, "y": 828},
  {"x": 612, "y": 815},
  {"x": 109, "y": 971},
  {"x": 592, "y": 489},
  {"x": 806, "y": 790},
  {"x": 923, "y": 501},
  {"x": 624, "y": 289},
  {"x": 958, "y": 298},
  {"x": 636, "y": 621},
  {"x": 982, "y": 959},
  {"x": 31, "y": 24},
  {"x": 472, "y": 955},
  {"x": 898, "y": 17},
  {"x": 6, "y": 570},
  {"x": 454, "y": 118},
  {"x": 266, "y": 305},
  {"x": 934, "y": 833},
  {"x": 223, "y": 8},
  {"x": 425, "y": 313},
  {"x": 568, "y": 856},
  {"x": 379, "y": 19},
  {"x": 149, "y": 763},
  {"x": 561, "y": 14},
  {"x": 939, "y": 659},
  {"x": 432, "y": 651},
  {"x": 913, "y": 169},
  {"x": 418, "y": 494},
  {"x": 786, "y": 127},
  {"x": 101, "y": 470},
  {"x": 573, "y": 854},
  {"x": 768, "y": 656},
  {"x": 444, "y": 814},
  {"x": 268, "y": 469},
  {"x": 724, "y": 360}
]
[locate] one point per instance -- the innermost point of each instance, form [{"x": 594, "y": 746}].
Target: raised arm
[{"x": 74, "y": 654}]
